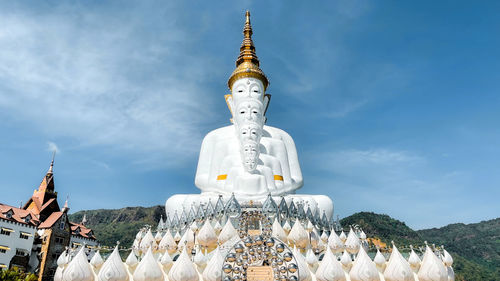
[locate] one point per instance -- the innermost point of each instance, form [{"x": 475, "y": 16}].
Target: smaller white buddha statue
[{"x": 252, "y": 171}]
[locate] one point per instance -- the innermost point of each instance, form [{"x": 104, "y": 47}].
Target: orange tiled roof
[
  {"x": 84, "y": 231},
  {"x": 18, "y": 215},
  {"x": 47, "y": 203},
  {"x": 49, "y": 222}
]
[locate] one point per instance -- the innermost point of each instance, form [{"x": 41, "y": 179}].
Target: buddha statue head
[
  {"x": 245, "y": 88},
  {"x": 247, "y": 81},
  {"x": 250, "y": 149},
  {"x": 248, "y": 101},
  {"x": 249, "y": 131},
  {"x": 249, "y": 110}
]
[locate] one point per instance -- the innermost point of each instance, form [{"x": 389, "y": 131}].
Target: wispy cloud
[
  {"x": 377, "y": 166},
  {"x": 81, "y": 74},
  {"x": 384, "y": 180},
  {"x": 335, "y": 82},
  {"x": 345, "y": 108},
  {"x": 404, "y": 184},
  {"x": 52, "y": 147},
  {"x": 380, "y": 156},
  {"x": 101, "y": 164}
]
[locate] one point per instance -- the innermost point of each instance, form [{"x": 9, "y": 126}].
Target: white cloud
[
  {"x": 383, "y": 180},
  {"x": 379, "y": 156},
  {"x": 403, "y": 184},
  {"x": 377, "y": 166},
  {"x": 73, "y": 73},
  {"x": 52, "y": 147},
  {"x": 346, "y": 108}
]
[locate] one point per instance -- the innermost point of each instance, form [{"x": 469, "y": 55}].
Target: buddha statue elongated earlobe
[
  {"x": 267, "y": 100},
  {"x": 230, "y": 105}
]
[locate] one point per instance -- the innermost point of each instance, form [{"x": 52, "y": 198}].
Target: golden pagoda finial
[
  {"x": 247, "y": 64},
  {"x": 247, "y": 49}
]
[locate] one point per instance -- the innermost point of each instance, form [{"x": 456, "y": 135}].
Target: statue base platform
[{"x": 184, "y": 202}]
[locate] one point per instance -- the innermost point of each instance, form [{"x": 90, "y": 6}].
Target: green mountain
[
  {"x": 478, "y": 243},
  {"x": 383, "y": 227},
  {"x": 119, "y": 224},
  {"x": 475, "y": 247}
]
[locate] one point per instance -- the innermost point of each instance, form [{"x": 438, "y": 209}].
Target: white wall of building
[
  {"x": 13, "y": 241},
  {"x": 78, "y": 241}
]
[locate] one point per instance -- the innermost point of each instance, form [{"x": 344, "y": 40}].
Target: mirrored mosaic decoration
[{"x": 258, "y": 255}]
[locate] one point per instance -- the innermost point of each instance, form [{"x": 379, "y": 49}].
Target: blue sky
[{"x": 394, "y": 105}]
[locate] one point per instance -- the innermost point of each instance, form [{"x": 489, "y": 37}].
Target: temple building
[{"x": 33, "y": 236}]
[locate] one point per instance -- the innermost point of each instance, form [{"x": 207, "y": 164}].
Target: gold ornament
[{"x": 247, "y": 64}]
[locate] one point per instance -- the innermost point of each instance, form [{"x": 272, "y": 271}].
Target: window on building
[
  {"x": 20, "y": 252},
  {"x": 9, "y": 214},
  {"x": 63, "y": 222},
  {"x": 4, "y": 249},
  {"x": 59, "y": 240},
  {"x": 55, "y": 256},
  {"x": 6, "y": 231},
  {"x": 24, "y": 235},
  {"x": 27, "y": 219}
]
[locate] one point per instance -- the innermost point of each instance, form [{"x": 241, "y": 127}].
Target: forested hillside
[
  {"x": 119, "y": 224},
  {"x": 479, "y": 243},
  {"x": 383, "y": 227},
  {"x": 475, "y": 247}
]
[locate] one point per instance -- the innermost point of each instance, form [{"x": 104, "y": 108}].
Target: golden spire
[
  {"x": 247, "y": 49},
  {"x": 247, "y": 64}
]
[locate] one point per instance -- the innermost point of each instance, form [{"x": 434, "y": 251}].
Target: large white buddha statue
[{"x": 248, "y": 158}]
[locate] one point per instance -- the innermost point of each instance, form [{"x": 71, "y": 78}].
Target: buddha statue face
[
  {"x": 250, "y": 155},
  {"x": 245, "y": 88},
  {"x": 249, "y": 110},
  {"x": 250, "y": 164},
  {"x": 249, "y": 131},
  {"x": 250, "y": 149}
]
